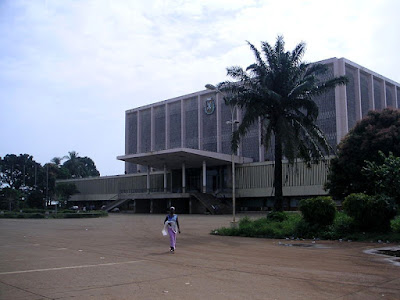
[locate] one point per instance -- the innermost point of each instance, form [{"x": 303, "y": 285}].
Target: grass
[
  {"x": 293, "y": 226},
  {"x": 47, "y": 214}
]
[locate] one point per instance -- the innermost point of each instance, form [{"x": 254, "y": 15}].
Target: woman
[{"x": 172, "y": 224}]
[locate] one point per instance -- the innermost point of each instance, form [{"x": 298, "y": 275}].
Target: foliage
[
  {"x": 66, "y": 190},
  {"x": 42, "y": 214},
  {"x": 21, "y": 176},
  {"x": 36, "y": 199},
  {"x": 279, "y": 91},
  {"x": 378, "y": 131},
  {"x": 385, "y": 176},
  {"x": 319, "y": 211},
  {"x": 10, "y": 198},
  {"x": 294, "y": 227},
  {"x": 370, "y": 213},
  {"x": 80, "y": 167},
  {"x": 20, "y": 172},
  {"x": 277, "y": 216},
  {"x": 263, "y": 227},
  {"x": 395, "y": 224}
]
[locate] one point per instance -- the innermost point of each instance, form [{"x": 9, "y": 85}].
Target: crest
[{"x": 210, "y": 106}]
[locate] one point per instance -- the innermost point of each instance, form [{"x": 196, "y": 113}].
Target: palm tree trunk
[{"x": 278, "y": 173}]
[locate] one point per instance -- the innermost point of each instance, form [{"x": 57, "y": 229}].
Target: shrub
[
  {"x": 319, "y": 211},
  {"x": 343, "y": 224},
  {"x": 370, "y": 213},
  {"x": 395, "y": 225},
  {"x": 277, "y": 216}
]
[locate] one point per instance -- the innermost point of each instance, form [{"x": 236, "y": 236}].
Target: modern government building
[{"x": 177, "y": 151}]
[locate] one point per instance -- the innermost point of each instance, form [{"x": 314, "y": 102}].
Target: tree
[
  {"x": 378, "y": 131},
  {"x": 279, "y": 92},
  {"x": 21, "y": 172},
  {"x": 9, "y": 198},
  {"x": 385, "y": 176},
  {"x": 65, "y": 190},
  {"x": 80, "y": 167}
]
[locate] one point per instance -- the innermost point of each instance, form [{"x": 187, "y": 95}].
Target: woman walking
[{"x": 171, "y": 224}]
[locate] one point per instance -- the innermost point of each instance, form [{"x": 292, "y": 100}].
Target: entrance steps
[{"x": 213, "y": 204}]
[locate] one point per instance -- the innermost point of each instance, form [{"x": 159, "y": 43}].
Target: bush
[
  {"x": 277, "y": 216},
  {"x": 319, "y": 211},
  {"x": 370, "y": 213},
  {"x": 395, "y": 225},
  {"x": 343, "y": 224}
]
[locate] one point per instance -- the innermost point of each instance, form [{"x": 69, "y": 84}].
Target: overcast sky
[{"x": 70, "y": 69}]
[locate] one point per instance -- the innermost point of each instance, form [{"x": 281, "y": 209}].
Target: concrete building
[{"x": 180, "y": 148}]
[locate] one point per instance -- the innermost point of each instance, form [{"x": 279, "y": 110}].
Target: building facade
[
  {"x": 178, "y": 151},
  {"x": 191, "y": 134}
]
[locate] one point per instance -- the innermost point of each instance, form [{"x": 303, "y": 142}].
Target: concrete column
[
  {"x": 151, "y": 206},
  {"x": 395, "y": 97},
  {"x": 152, "y": 129},
  {"x": 183, "y": 178},
  {"x": 357, "y": 83},
  {"x": 126, "y": 141},
  {"x": 167, "y": 127},
  {"x": 148, "y": 180},
  {"x": 165, "y": 178},
  {"x": 183, "y": 124},
  {"x": 204, "y": 177},
  {"x": 139, "y": 137},
  {"x": 200, "y": 121},
  {"x": 190, "y": 206},
  {"x": 371, "y": 92},
  {"x": 134, "y": 206},
  {"x": 218, "y": 100},
  {"x": 169, "y": 203},
  {"x": 340, "y": 102},
  {"x": 383, "y": 93}
]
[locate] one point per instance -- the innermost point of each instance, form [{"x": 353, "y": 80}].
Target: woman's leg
[{"x": 172, "y": 238}]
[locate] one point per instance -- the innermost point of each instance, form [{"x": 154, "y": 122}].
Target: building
[{"x": 180, "y": 148}]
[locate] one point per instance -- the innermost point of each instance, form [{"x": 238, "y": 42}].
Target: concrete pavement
[{"x": 126, "y": 257}]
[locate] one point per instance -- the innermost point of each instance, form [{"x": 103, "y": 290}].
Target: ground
[{"x": 126, "y": 257}]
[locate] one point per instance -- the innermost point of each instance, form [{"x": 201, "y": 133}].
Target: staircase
[
  {"x": 115, "y": 204},
  {"x": 213, "y": 204}
]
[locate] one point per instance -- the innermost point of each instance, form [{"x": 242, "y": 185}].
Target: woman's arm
[{"x": 177, "y": 224}]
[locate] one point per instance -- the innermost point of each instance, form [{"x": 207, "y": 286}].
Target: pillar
[
  {"x": 183, "y": 178},
  {"x": 148, "y": 180},
  {"x": 204, "y": 177},
  {"x": 340, "y": 102},
  {"x": 151, "y": 206},
  {"x": 165, "y": 178}
]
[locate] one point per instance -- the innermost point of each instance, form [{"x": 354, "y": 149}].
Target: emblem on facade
[{"x": 210, "y": 106}]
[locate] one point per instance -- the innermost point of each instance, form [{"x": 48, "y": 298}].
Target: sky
[{"x": 70, "y": 69}]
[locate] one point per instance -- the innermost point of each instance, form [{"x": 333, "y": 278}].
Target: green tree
[
  {"x": 80, "y": 167},
  {"x": 10, "y": 198},
  {"x": 36, "y": 199},
  {"x": 64, "y": 191},
  {"x": 279, "y": 91},
  {"x": 21, "y": 172},
  {"x": 385, "y": 176},
  {"x": 378, "y": 131}
]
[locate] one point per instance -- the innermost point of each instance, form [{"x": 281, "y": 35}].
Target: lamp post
[{"x": 232, "y": 122}]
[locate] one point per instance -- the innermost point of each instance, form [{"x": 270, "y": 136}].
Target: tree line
[{"x": 26, "y": 183}]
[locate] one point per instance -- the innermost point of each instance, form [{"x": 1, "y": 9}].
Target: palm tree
[
  {"x": 57, "y": 160},
  {"x": 74, "y": 164},
  {"x": 278, "y": 90}
]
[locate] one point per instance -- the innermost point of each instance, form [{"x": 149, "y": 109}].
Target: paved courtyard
[{"x": 126, "y": 257}]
